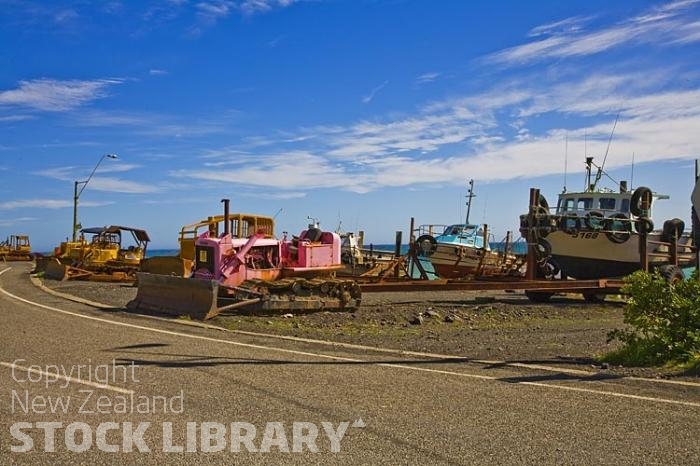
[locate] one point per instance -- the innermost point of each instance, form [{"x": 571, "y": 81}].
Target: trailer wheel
[
  {"x": 672, "y": 274},
  {"x": 593, "y": 297},
  {"x": 538, "y": 296}
]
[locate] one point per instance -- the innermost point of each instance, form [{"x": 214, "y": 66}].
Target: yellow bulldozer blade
[
  {"x": 167, "y": 265},
  {"x": 176, "y": 296}
]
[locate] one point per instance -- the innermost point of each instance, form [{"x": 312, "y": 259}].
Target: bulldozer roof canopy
[{"x": 140, "y": 235}]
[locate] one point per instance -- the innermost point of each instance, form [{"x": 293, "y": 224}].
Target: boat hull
[
  {"x": 591, "y": 255},
  {"x": 455, "y": 261}
]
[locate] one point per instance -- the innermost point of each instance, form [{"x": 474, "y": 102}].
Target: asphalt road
[{"x": 198, "y": 390}]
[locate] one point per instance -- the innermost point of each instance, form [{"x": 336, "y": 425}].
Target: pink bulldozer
[{"x": 259, "y": 272}]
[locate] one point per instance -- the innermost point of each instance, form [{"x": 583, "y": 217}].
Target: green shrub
[{"x": 664, "y": 320}]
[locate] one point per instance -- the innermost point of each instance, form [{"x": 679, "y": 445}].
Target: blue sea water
[
  {"x": 518, "y": 248},
  {"x": 162, "y": 252}
]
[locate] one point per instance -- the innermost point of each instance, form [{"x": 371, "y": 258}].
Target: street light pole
[{"x": 76, "y": 193}]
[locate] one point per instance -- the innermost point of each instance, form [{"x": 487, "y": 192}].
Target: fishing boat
[
  {"x": 595, "y": 233},
  {"x": 463, "y": 250}
]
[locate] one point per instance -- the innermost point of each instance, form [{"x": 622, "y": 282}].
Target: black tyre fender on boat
[
  {"x": 672, "y": 228},
  {"x": 644, "y": 225},
  {"x": 544, "y": 249},
  {"x": 636, "y": 199},
  {"x": 614, "y": 235},
  {"x": 570, "y": 223},
  {"x": 548, "y": 269},
  {"x": 672, "y": 274},
  {"x": 426, "y": 245},
  {"x": 594, "y": 220}
]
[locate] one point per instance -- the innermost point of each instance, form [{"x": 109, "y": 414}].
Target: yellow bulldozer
[
  {"x": 16, "y": 248},
  {"x": 240, "y": 225},
  {"x": 101, "y": 258}
]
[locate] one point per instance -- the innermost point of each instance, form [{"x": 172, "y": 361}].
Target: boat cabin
[
  {"x": 607, "y": 203},
  {"x": 464, "y": 234}
]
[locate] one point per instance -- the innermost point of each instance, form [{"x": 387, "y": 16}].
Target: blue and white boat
[{"x": 463, "y": 251}]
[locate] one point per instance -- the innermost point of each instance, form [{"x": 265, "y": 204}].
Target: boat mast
[
  {"x": 470, "y": 196},
  {"x": 600, "y": 172}
]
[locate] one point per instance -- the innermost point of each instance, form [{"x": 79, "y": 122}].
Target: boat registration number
[{"x": 585, "y": 234}]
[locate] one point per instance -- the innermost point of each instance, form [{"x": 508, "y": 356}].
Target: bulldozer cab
[
  {"x": 20, "y": 243},
  {"x": 240, "y": 226},
  {"x": 106, "y": 244},
  {"x": 16, "y": 247}
]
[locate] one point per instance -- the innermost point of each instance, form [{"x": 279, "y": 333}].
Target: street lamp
[{"x": 76, "y": 193}]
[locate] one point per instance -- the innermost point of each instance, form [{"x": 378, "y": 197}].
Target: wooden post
[
  {"x": 696, "y": 227},
  {"x": 411, "y": 242},
  {"x": 506, "y": 246},
  {"x": 643, "y": 246},
  {"x": 397, "y": 252},
  {"x": 531, "y": 271}
]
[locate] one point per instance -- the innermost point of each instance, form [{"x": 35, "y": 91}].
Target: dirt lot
[{"x": 479, "y": 325}]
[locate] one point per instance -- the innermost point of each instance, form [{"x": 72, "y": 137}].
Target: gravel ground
[{"x": 480, "y": 325}]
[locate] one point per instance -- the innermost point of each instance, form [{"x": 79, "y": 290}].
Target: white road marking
[
  {"x": 56, "y": 376},
  {"x": 339, "y": 358}
]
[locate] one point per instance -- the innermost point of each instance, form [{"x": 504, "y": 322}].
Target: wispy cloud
[
  {"x": 102, "y": 183},
  {"x": 11, "y": 222},
  {"x": 56, "y": 96},
  {"x": 492, "y": 136},
  {"x": 427, "y": 78},
  {"x": 157, "y": 72},
  {"x": 567, "y": 25},
  {"x": 663, "y": 25},
  {"x": 368, "y": 98},
  {"x": 15, "y": 118},
  {"x": 260, "y": 6},
  {"x": 285, "y": 171},
  {"x": 149, "y": 124},
  {"x": 47, "y": 204}
]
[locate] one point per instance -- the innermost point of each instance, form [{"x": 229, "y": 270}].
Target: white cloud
[
  {"x": 489, "y": 136},
  {"x": 11, "y": 222},
  {"x": 56, "y": 96},
  {"x": 157, "y": 72},
  {"x": 15, "y": 118},
  {"x": 569, "y": 25},
  {"x": 427, "y": 78},
  {"x": 261, "y": 6},
  {"x": 119, "y": 185},
  {"x": 288, "y": 171},
  {"x": 667, "y": 24},
  {"x": 47, "y": 204},
  {"x": 368, "y": 98},
  {"x": 102, "y": 183}
]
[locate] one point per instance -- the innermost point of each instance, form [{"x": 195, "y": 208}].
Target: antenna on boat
[
  {"x": 599, "y": 174},
  {"x": 632, "y": 175},
  {"x": 470, "y": 196},
  {"x": 276, "y": 214},
  {"x": 566, "y": 158}
]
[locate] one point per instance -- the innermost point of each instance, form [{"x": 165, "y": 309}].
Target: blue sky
[{"x": 368, "y": 112}]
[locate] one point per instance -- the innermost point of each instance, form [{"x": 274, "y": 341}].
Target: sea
[{"x": 519, "y": 247}]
